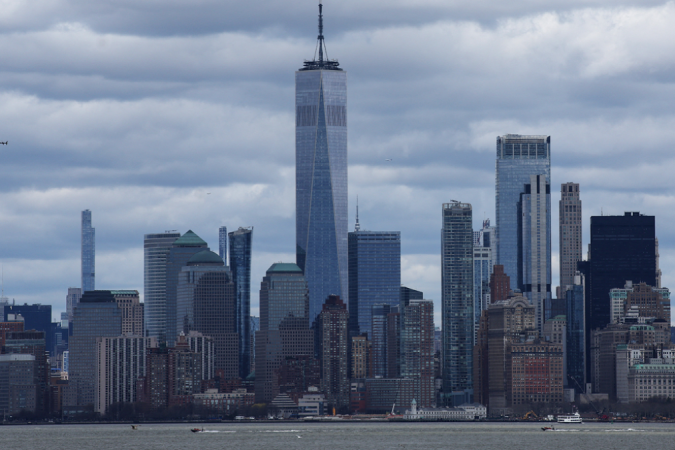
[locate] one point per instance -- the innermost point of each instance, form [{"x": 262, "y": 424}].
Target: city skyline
[{"x": 431, "y": 162}]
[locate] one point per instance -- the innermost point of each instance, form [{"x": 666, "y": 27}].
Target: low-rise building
[
  {"x": 470, "y": 411},
  {"x": 225, "y": 402}
]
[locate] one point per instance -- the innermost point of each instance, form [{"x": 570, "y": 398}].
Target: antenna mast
[
  {"x": 357, "y": 227},
  {"x": 321, "y": 44}
]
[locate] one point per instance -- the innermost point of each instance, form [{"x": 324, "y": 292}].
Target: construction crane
[{"x": 530, "y": 414}]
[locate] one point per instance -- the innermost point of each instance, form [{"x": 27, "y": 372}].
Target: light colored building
[
  {"x": 120, "y": 361},
  {"x": 361, "y": 352},
  {"x": 470, "y": 411},
  {"x": 639, "y": 303},
  {"x": 313, "y": 403},
  {"x": 570, "y": 235},
  {"x": 226, "y": 402},
  {"x": 132, "y": 311}
]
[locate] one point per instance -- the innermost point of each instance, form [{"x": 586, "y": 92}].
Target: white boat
[{"x": 570, "y": 418}]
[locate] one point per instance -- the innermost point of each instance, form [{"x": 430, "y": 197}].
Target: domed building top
[
  {"x": 189, "y": 239},
  {"x": 205, "y": 257}
]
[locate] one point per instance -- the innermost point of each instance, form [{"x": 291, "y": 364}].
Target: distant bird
[
  {"x": 299, "y": 437},
  {"x": 388, "y": 159},
  {"x": 3, "y": 143}
]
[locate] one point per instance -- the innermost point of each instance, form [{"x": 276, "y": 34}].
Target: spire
[
  {"x": 322, "y": 63},
  {"x": 357, "y": 227}
]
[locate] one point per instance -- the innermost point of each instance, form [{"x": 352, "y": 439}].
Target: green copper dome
[
  {"x": 189, "y": 239},
  {"x": 205, "y": 257}
]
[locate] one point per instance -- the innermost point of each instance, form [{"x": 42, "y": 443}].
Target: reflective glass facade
[
  {"x": 222, "y": 243},
  {"x": 241, "y": 242},
  {"x": 155, "y": 250},
  {"x": 457, "y": 298},
  {"x": 534, "y": 246},
  {"x": 518, "y": 157},
  {"x": 88, "y": 253},
  {"x": 321, "y": 183},
  {"x": 374, "y": 276},
  {"x": 576, "y": 341}
]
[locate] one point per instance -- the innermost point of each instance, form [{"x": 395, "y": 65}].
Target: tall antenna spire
[
  {"x": 321, "y": 43},
  {"x": 357, "y": 227}
]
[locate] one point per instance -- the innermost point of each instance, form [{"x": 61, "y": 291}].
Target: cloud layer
[{"x": 179, "y": 115}]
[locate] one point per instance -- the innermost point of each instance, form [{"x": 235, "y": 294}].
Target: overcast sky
[{"x": 136, "y": 109}]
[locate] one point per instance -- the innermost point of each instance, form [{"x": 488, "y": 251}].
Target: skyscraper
[
  {"x": 576, "y": 330},
  {"x": 205, "y": 303},
  {"x": 534, "y": 245},
  {"x": 88, "y": 257},
  {"x": 332, "y": 339},
  {"x": 374, "y": 276},
  {"x": 457, "y": 301},
  {"x": 483, "y": 263},
  {"x": 241, "y": 242},
  {"x": 418, "y": 341},
  {"x": 73, "y": 297},
  {"x": 222, "y": 243},
  {"x": 156, "y": 248},
  {"x": 570, "y": 234},
  {"x": 518, "y": 157},
  {"x": 321, "y": 176},
  {"x": 182, "y": 249},
  {"x": 284, "y": 326}
]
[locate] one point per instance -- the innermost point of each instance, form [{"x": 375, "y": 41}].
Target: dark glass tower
[
  {"x": 321, "y": 176},
  {"x": 456, "y": 302},
  {"x": 222, "y": 243},
  {"x": 240, "y": 264},
  {"x": 88, "y": 253}
]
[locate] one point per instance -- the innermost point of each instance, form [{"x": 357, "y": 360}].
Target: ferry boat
[{"x": 570, "y": 418}]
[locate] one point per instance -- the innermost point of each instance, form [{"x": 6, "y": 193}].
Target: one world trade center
[{"x": 321, "y": 176}]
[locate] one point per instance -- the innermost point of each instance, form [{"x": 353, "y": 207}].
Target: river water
[{"x": 369, "y": 435}]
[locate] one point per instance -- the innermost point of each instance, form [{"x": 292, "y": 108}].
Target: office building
[
  {"x": 394, "y": 340},
  {"x": 33, "y": 343},
  {"x": 88, "y": 257},
  {"x": 518, "y": 158},
  {"x": 418, "y": 341},
  {"x": 483, "y": 263},
  {"x": 361, "y": 357},
  {"x": 378, "y": 339},
  {"x": 284, "y": 326},
  {"x": 18, "y": 392},
  {"x": 534, "y": 245},
  {"x": 406, "y": 294},
  {"x": 457, "y": 302},
  {"x": 321, "y": 176},
  {"x": 255, "y": 326},
  {"x": 374, "y": 276},
  {"x": 156, "y": 248},
  {"x": 97, "y": 315},
  {"x": 222, "y": 243},
  {"x": 639, "y": 303},
  {"x": 536, "y": 374},
  {"x": 333, "y": 338},
  {"x": 35, "y": 317},
  {"x": 241, "y": 242},
  {"x": 132, "y": 311},
  {"x": 570, "y": 234},
  {"x": 73, "y": 297},
  {"x": 621, "y": 249},
  {"x": 576, "y": 331},
  {"x": 206, "y": 303},
  {"x": 182, "y": 249},
  {"x": 120, "y": 362},
  {"x": 500, "y": 284}
]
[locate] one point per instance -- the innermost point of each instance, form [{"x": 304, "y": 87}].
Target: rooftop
[
  {"x": 284, "y": 268},
  {"x": 189, "y": 239},
  {"x": 205, "y": 257}
]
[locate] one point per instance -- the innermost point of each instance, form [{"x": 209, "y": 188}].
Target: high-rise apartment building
[
  {"x": 241, "y": 242},
  {"x": 361, "y": 357},
  {"x": 182, "y": 249},
  {"x": 73, "y": 297},
  {"x": 570, "y": 234},
  {"x": 97, "y": 315},
  {"x": 374, "y": 276},
  {"x": 518, "y": 157},
  {"x": 156, "y": 248},
  {"x": 88, "y": 256},
  {"x": 132, "y": 311},
  {"x": 457, "y": 301},
  {"x": 17, "y": 380},
  {"x": 321, "y": 176},
  {"x": 534, "y": 254},
  {"x": 222, "y": 243},
  {"x": 333, "y": 339},
  {"x": 32, "y": 343},
  {"x": 284, "y": 326},
  {"x": 205, "y": 302},
  {"x": 406, "y": 294},
  {"x": 418, "y": 341},
  {"x": 378, "y": 337}
]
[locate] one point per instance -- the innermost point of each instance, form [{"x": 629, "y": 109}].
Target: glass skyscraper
[
  {"x": 374, "y": 276},
  {"x": 241, "y": 242},
  {"x": 457, "y": 302},
  {"x": 321, "y": 176},
  {"x": 88, "y": 253},
  {"x": 483, "y": 263},
  {"x": 156, "y": 247},
  {"x": 576, "y": 330},
  {"x": 222, "y": 243},
  {"x": 518, "y": 157}
]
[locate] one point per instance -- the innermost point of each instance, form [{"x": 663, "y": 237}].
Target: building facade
[
  {"x": 333, "y": 339},
  {"x": 156, "y": 248},
  {"x": 73, "y": 297},
  {"x": 518, "y": 158},
  {"x": 457, "y": 300},
  {"x": 321, "y": 177},
  {"x": 483, "y": 264},
  {"x": 88, "y": 256},
  {"x": 570, "y": 234},
  {"x": 241, "y": 242},
  {"x": 418, "y": 341},
  {"x": 222, "y": 243},
  {"x": 576, "y": 330}
]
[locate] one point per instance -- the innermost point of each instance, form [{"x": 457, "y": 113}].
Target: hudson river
[{"x": 374, "y": 435}]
